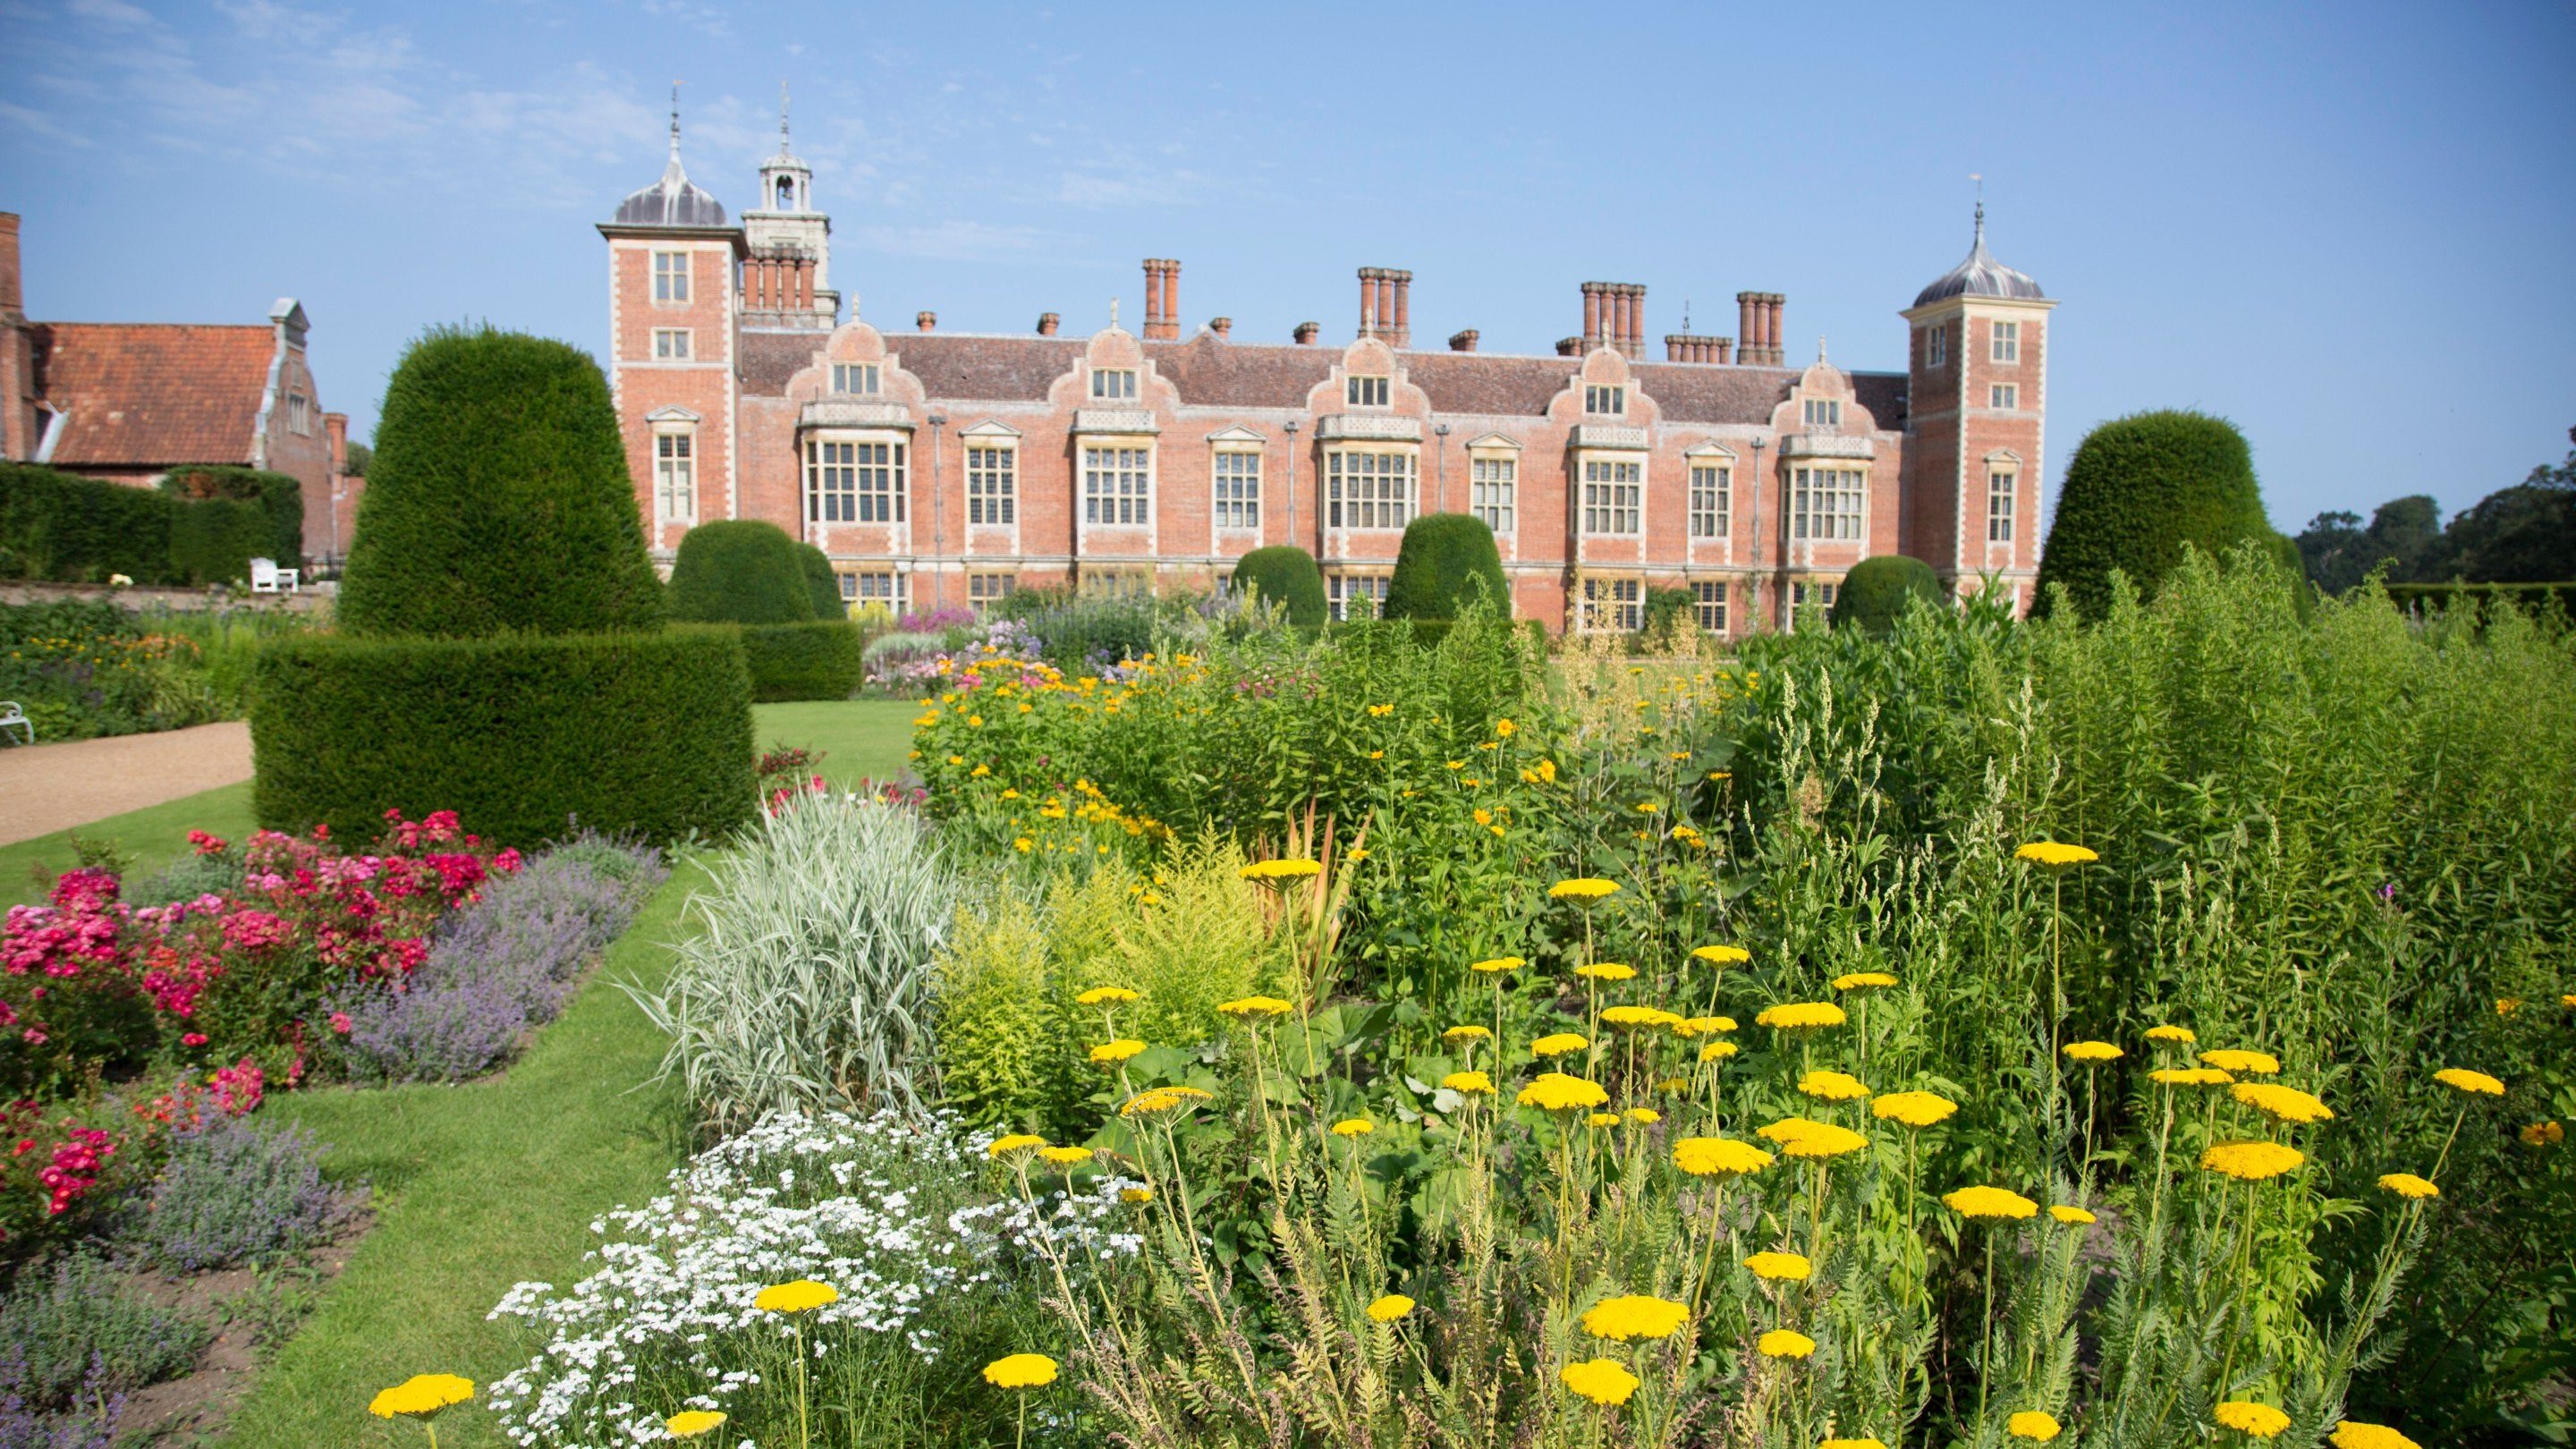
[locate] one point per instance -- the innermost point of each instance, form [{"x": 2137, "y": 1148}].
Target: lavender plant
[{"x": 236, "y": 1192}]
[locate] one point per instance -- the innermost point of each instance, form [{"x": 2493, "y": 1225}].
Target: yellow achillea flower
[
  {"x": 2354, "y": 1434},
  {"x": 2473, "y": 1083},
  {"x": 1466, "y": 1033},
  {"x": 2251, "y": 1161},
  {"x": 2281, "y": 1104},
  {"x": 1634, "y": 1316},
  {"x": 2033, "y": 1425},
  {"x": 1469, "y": 1084},
  {"x": 1832, "y": 1086},
  {"x": 1354, "y": 1127},
  {"x": 1989, "y": 1202},
  {"x": 1784, "y": 1343},
  {"x": 2073, "y": 1217},
  {"x": 1722, "y": 955},
  {"x": 2092, "y": 1051},
  {"x": 801, "y": 1296},
  {"x": 1280, "y": 870},
  {"x": 1557, "y": 1092},
  {"x": 1020, "y": 1371},
  {"x": 1111, "y": 1053},
  {"x": 1801, "y": 1016},
  {"x": 2189, "y": 1077},
  {"x": 1639, "y": 1016},
  {"x": 1390, "y": 1308},
  {"x": 1703, "y": 1025},
  {"x": 421, "y": 1395},
  {"x": 1672, "y": 1084},
  {"x": 1498, "y": 965},
  {"x": 1603, "y": 1119},
  {"x": 1824, "y": 1140},
  {"x": 2233, "y": 1059},
  {"x": 2262, "y": 1421},
  {"x": 1913, "y": 1109},
  {"x": 2543, "y": 1134},
  {"x": 693, "y": 1423},
  {"x": 1016, "y": 1142},
  {"x": 1105, "y": 995},
  {"x": 1851, "y": 1444},
  {"x": 1066, "y": 1156},
  {"x": 1644, "y": 1116},
  {"x": 1606, "y": 971},
  {"x": 2181, "y": 1035},
  {"x": 1780, "y": 1267},
  {"x": 1251, "y": 1006},
  {"x": 1787, "y": 1129},
  {"x": 1717, "y": 1051},
  {"x": 1864, "y": 981},
  {"x": 2508, "y": 1005},
  {"x": 1601, "y": 1380},
  {"x": 1583, "y": 888},
  {"x": 1557, "y": 1044},
  {"x": 2051, "y": 855},
  {"x": 1152, "y": 1100},
  {"x": 2407, "y": 1184}
]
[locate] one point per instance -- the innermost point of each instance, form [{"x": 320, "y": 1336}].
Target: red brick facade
[{"x": 1163, "y": 457}]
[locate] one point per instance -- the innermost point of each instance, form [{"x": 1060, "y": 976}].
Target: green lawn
[
  {"x": 153, "y": 837},
  {"x": 859, "y": 737}
]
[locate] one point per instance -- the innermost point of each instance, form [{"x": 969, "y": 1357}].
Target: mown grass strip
[{"x": 154, "y": 836}]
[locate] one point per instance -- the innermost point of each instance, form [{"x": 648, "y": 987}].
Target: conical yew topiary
[
  {"x": 2138, "y": 490},
  {"x": 740, "y": 571},
  {"x": 1445, "y": 559}
]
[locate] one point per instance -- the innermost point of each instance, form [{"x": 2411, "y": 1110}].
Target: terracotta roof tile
[{"x": 142, "y": 394}]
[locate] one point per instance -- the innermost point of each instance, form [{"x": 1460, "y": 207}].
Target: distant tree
[
  {"x": 2402, "y": 530},
  {"x": 360, "y": 455},
  {"x": 2524, "y": 534},
  {"x": 2337, "y": 553},
  {"x": 2330, "y": 550}
]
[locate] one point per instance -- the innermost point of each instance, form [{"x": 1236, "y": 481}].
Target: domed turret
[
  {"x": 674, "y": 200},
  {"x": 1981, "y": 276}
]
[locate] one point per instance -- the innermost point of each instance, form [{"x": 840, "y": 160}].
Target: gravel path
[{"x": 45, "y": 788}]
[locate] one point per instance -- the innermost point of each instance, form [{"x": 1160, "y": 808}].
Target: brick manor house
[{"x": 940, "y": 468}]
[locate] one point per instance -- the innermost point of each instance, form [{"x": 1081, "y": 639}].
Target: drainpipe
[{"x": 938, "y": 502}]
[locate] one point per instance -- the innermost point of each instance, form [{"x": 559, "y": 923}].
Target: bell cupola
[{"x": 786, "y": 279}]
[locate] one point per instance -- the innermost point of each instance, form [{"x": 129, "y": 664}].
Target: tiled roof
[
  {"x": 140, "y": 394},
  {"x": 1211, "y": 373}
]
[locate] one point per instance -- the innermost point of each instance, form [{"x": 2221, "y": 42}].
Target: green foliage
[
  {"x": 279, "y": 497},
  {"x": 1285, "y": 574},
  {"x": 1445, "y": 560},
  {"x": 92, "y": 667},
  {"x": 1875, "y": 591},
  {"x": 78, "y": 1329},
  {"x": 58, "y": 527},
  {"x": 2140, "y": 489},
  {"x": 740, "y": 571},
  {"x": 821, "y": 584},
  {"x": 522, "y": 735},
  {"x": 819, "y": 659},
  {"x": 1086, "y": 632},
  {"x": 806, "y": 983},
  {"x": 499, "y": 499}
]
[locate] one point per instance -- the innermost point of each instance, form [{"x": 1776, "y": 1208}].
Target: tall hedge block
[
  {"x": 498, "y": 498},
  {"x": 2139, "y": 489},
  {"x": 1445, "y": 559},
  {"x": 818, "y": 659},
  {"x": 1874, "y": 593},
  {"x": 280, "y": 499},
  {"x": 1285, "y": 574},
  {"x": 521, "y": 734},
  {"x": 740, "y": 571},
  {"x": 821, "y": 583}
]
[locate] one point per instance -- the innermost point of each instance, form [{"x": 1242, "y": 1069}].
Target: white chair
[
  {"x": 267, "y": 578},
  {"x": 13, "y": 719}
]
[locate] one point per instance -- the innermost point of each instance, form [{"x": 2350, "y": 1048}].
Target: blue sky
[{"x": 2346, "y": 227}]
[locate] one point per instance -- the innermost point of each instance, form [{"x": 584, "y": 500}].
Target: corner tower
[
  {"x": 671, "y": 335},
  {"x": 1977, "y": 375},
  {"x": 786, "y": 280}
]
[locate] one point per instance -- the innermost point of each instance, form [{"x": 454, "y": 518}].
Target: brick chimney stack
[
  {"x": 1689, "y": 347},
  {"x": 1162, "y": 299},
  {"x": 1463, "y": 341},
  {"x": 1593, "y": 318},
  {"x": 1633, "y": 319},
  {"x": 1048, "y": 322},
  {"x": 1574, "y": 346},
  {"x": 13, "y": 296},
  {"x": 1747, "y": 327},
  {"x": 926, "y": 321},
  {"x": 1386, "y": 305},
  {"x": 1403, "y": 307},
  {"x": 1223, "y": 327},
  {"x": 1306, "y": 333},
  {"x": 1771, "y": 329},
  {"x": 17, "y": 349}
]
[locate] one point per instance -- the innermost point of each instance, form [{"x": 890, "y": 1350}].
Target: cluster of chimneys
[{"x": 1614, "y": 316}]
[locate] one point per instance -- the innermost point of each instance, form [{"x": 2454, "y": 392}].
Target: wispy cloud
[{"x": 961, "y": 240}]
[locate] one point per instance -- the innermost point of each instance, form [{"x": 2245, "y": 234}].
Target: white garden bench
[
  {"x": 14, "y": 719},
  {"x": 267, "y": 578}
]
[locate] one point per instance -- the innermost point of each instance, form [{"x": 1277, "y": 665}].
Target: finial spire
[
  {"x": 675, "y": 122},
  {"x": 1113, "y": 312},
  {"x": 1980, "y": 178},
  {"x": 1820, "y": 349},
  {"x": 1685, "y": 316},
  {"x": 782, "y": 118}
]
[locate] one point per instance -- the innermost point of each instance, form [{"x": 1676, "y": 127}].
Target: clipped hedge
[
  {"x": 521, "y": 735},
  {"x": 280, "y": 500},
  {"x": 63, "y": 528},
  {"x": 2139, "y": 490},
  {"x": 821, "y": 584},
  {"x": 1874, "y": 592},
  {"x": 1445, "y": 559},
  {"x": 739, "y": 571},
  {"x": 817, "y": 659},
  {"x": 498, "y": 499},
  {"x": 2530, "y": 598},
  {"x": 1285, "y": 574}
]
